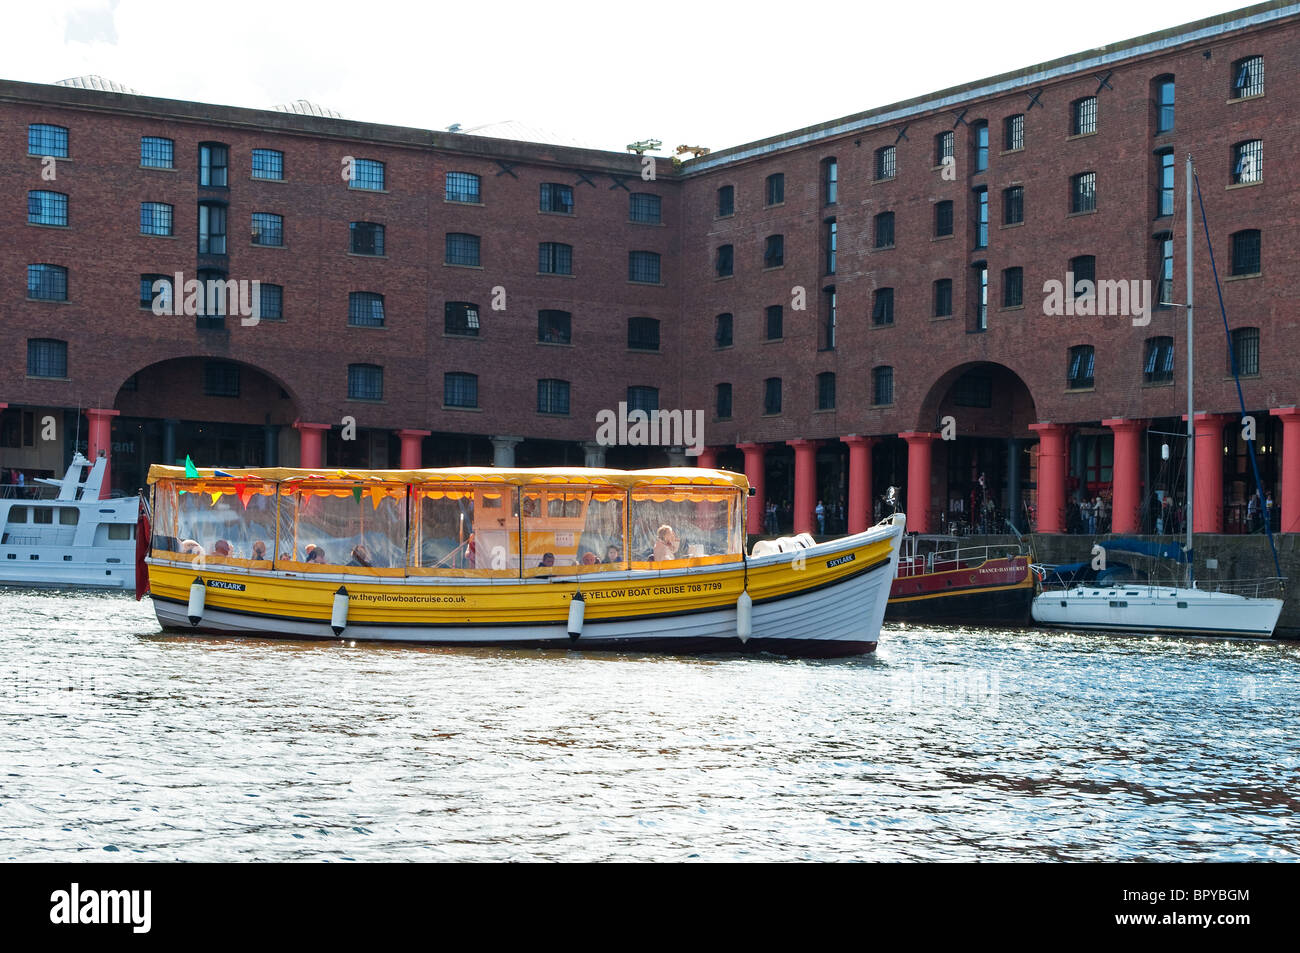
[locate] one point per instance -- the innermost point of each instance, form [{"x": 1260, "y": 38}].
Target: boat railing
[
  {"x": 956, "y": 558},
  {"x": 1267, "y": 587},
  {"x": 28, "y": 491}
]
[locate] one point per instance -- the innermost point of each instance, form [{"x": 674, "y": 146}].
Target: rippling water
[{"x": 119, "y": 742}]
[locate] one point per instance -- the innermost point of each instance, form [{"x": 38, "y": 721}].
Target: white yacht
[
  {"x": 1108, "y": 601},
  {"x": 72, "y": 538}
]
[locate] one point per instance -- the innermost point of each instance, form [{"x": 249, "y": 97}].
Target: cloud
[{"x": 92, "y": 23}]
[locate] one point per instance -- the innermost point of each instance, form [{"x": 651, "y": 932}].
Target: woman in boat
[
  {"x": 666, "y": 544},
  {"x": 360, "y": 556}
]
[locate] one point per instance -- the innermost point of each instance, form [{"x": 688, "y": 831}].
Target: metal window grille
[
  {"x": 552, "y": 397},
  {"x": 882, "y": 385},
  {"x": 1246, "y": 252},
  {"x": 461, "y": 317},
  {"x": 268, "y": 164},
  {"x": 554, "y": 258},
  {"x": 47, "y": 358},
  {"x": 460, "y": 390},
  {"x": 462, "y": 187},
  {"x": 268, "y": 229},
  {"x": 46, "y": 140},
  {"x": 645, "y": 209},
  {"x": 557, "y": 198},
  {"x": 365, "y": 309},
  {"x": 367, "y": 174},
  {"x": 48, "y": 208},
  {"x": 462, "y": 249},
  {"x": 157, "y": 153},
  {"x": 365, "y": 382},
  {"x": 643, "y": 266},
  {"x": 882, "y": 311},
  {"x": 554, "y": 327},
  {"x": 47, "y": 282}
]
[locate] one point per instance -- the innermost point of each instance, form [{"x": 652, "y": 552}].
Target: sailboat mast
[{"x": 1191, "y": 405}]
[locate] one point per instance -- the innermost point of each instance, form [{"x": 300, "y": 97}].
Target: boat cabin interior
[{"x": 456, "y": 522}]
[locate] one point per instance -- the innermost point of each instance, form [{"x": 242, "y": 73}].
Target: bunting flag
[
  {"x": 356, "y": 493},
  {"x": 377, "y": 493},
  {"x": 190, "y": 469},
  {"x": 243, "y": 492}
]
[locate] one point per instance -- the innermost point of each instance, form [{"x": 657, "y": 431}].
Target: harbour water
[{"x": 120, "y": 743}]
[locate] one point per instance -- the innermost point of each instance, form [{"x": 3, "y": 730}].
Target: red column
[
  {"x": 412, "y": 449},
  {"x": 805, "y": 485},
  {"x": 1126, "y": 493},
  {"x": 708, "y": 458},
  {"x": 1290, "y": 468},
  {"x": 754, "y": 454},
  {"x": 859, "y": 482},
  {"x": 919, "y": 446},
  {"x": 311, "y": 439},
  {"x": 100, "y": 440},
  {"x": 1053, "y": 463},
  {"x": 1207, "y": 517}
]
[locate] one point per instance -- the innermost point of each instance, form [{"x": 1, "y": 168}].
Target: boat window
[
  {"x": 570, "y": 529},
  {"x": 120, "y": 530},
  {"x": 681, "y": 525},
  {"x": 18, "y": 514},
  {"x": 42, "y": 514},
  {"x": 68, "y": 516},
  {"x": 465, "y": 530},
  {"x": 354, "y": 524},
  {"x": 227, "y": 521}
]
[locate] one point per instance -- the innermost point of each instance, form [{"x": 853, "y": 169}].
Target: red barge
[{"x": 941, "y": 579}]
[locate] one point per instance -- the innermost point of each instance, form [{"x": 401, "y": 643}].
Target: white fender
[
  {"x": 339, "y": 617},
  {"x": 577, "y": 612},
  {"x": 744, "y": 617},
  {"x": 198, "y": 593}
]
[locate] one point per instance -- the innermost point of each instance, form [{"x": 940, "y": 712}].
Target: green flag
[
  {"x": 190, "y": 469},
  {"x": 356, "y": 493}
]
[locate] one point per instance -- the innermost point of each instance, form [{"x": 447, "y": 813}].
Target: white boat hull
[
  {"x": 1175, "y": 609},
  {"x": 843, "y": 619}
]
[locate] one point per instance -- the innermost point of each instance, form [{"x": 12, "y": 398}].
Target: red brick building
[{"x": 851, "y": 304}]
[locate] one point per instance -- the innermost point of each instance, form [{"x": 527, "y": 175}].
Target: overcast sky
[{"x": 705, "y": 72}]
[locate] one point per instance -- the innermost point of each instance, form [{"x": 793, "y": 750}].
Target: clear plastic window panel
[
  {"x": 357, "y": 526},
  {"x": 676, "y": 525},
  {"x": 224, "y": 523}
]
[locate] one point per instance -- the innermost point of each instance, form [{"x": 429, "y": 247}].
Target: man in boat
[
  {"x": 360, "y": 556},
  {"x": 613, "y": 554},
  {"x": 548, "y": 559}
]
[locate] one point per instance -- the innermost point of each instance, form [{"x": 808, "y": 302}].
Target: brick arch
[
  {"x": 1011, "y": 412},
  {"x": 174, "y": 387}
]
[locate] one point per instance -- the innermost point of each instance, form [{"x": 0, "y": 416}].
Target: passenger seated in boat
[
  {"x": 613, "y": 554},
  {"x": 666, "y": 544},
  {"x": 221, "y": 548},
  {"x": 548, "y": 559},
  {"x": 360, "y": 556},
  {"x": 259, "y": 549},
  {"x": 589, "y": 559},
  {"x": 314, "y": 554},
  {"x": 192, "y": 547}
]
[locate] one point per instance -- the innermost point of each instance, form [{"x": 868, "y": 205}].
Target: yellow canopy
[{"x": 625, "y": 479}]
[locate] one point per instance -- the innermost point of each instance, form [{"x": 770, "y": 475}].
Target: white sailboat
[
  {"x": 1108, "y": 601},
  {"x": 73, "y": 539}
]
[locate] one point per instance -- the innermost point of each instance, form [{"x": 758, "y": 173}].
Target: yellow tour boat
[{"x": 592, "y": 558}]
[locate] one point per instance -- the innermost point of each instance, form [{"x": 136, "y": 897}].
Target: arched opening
[
  {"x": 984, "y": 466},
  {"x": 220, "y": 413}
]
